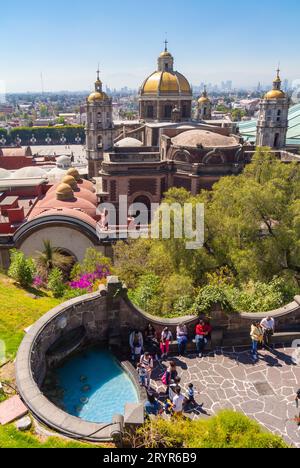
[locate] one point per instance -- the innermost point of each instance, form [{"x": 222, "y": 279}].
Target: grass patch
[
  {"x": 18, "y": 311},
  {"x": 10, "y": 437}
]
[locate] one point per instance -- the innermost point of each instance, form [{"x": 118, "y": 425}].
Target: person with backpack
[{"x": 169, "y": 376}]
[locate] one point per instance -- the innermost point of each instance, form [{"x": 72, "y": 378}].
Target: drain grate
[{"x": 263, "y": 388}]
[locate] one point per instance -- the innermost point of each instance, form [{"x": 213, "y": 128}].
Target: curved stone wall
[{"x": 108, "y": 317}]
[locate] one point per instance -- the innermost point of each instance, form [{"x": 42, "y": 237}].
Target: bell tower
[
  {"x": 166, "y": 60},
  {"x": 272, "y": 124},
  {"x": 99, "y": 127},
  {"x": 204, "y": 107}
]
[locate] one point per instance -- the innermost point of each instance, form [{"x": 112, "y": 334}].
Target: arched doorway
[{"x": 143, "y": 200}]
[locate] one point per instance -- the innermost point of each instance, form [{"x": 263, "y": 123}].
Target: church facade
[{"x": 170, "y": 148}]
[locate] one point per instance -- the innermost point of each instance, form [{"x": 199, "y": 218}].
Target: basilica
[{"x": 172, "y": 146}]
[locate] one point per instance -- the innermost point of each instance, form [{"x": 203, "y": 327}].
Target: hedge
[{"x": 25, "y": 134}]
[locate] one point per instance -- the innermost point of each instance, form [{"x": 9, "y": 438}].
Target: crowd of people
[{"x": 149, "y": 346}]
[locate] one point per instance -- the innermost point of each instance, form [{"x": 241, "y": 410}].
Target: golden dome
[
  {"x": 203, "y": 99},
  {"x": 64, "y": 192},
  {"x": 74, "y": 173},
  {"x": 70, "y": 180},
  {"x": 166, "y": 82},
  {"x": 97, "y": 96},
  {"x": 165, "y": 53},
  {"x": 275, "y": 94}
]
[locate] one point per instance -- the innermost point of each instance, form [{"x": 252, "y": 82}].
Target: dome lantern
[{"x": 276, "y": 92}]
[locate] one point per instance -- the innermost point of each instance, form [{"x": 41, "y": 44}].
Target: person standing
[
  {"x": 151, "y": 342},
  {"x": 178, "y": 402},
  {"x": 146, "y": 362},
  {"x": 256, "y": 337},
  {"x": 165, "y": 340},
  {"x": 268, "y": 328},
  {"x": 182, "y": 338},
  {"x": 136, "y": 343},
  {"x": 169, "y": 376},
  {"x": 203, "y": 331}
]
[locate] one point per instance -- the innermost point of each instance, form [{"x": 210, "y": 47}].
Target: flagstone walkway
[{"x": 228, "y": 379}]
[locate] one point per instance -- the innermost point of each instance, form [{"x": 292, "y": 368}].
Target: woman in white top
[
  {"x": 268, "y": 328},
  {"x": 178, "y": 401}
]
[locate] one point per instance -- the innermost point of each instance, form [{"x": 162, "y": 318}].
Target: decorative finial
[
  {"x": 205, "y": 91},
  {"x": 166, "y": 45},
  {"x": 98, "y": 73},
  {"x": 278, "y": 70}
]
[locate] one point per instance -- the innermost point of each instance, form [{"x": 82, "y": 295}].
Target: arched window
[
  {"x": 100, "y": 142},
  {"x": 168, "y": 112},
  {"x": 150, "y": 112},
  {"x": 276, "y": 140}
]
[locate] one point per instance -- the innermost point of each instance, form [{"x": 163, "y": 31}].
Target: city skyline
[{"x": 66, "y": 43}]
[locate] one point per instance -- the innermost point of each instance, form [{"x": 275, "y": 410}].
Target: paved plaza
[{"x": 228, "y": 379}]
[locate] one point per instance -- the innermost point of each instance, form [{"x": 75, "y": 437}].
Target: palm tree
[{"x": 53, "y": 257}]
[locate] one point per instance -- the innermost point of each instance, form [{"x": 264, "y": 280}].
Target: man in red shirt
[{"x": 203, "y": 331}]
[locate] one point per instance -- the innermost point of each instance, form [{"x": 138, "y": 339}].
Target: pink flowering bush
[
  {"x": 38, "y": 282},
  {"x": 86, "y": 281}
]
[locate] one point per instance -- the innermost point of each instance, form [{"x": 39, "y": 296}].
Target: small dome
[
  {"x": 29, "y": 173},
  {"x": 74, "y": 173},
  {"x": 129, "y": 143},
  {"x": 70, "y": 181},
  {"x": 206, "y": 139},
  {"x": 64, "y": 192},
  {"x": 97, "y": 96},
  {"x": 203, "y": 100},
  {"x": 275, "y": 94},
  {"x": 166, "y": 54},
  {"x": 81, "y": 182},
  {"x": 4, "y": 174},
  {"x": 63, "y": 161}
]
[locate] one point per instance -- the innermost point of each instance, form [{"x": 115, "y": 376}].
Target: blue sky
[{"x": 211, "y": 41}]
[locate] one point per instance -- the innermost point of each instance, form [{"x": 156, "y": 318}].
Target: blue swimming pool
[{"x": 95, "y": 387}]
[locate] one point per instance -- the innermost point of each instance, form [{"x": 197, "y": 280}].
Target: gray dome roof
[
  {"x": 204, "y": 138},
  {"x": 129, "y": 143}
]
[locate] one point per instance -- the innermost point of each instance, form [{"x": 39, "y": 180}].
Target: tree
[
  {"x": 56, "y": 283},
  {"x": 52, "y": 257},
  {"x": 21, "y": 269}
]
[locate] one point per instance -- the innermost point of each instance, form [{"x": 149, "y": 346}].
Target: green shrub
[
  {"x": 21, "y": 269},
  {"x": 226, "y": 430},
  {"x": 70, "y": 293},
  {"x": 147, "y": 295},
  {"x": 55, "y": 283},
  {"x": 208, "y": 297}
]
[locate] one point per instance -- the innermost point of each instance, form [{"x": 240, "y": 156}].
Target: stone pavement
[{"x": 229, "y": 379}]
